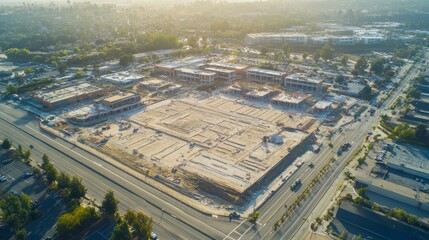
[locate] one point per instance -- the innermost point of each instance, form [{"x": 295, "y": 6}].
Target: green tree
[
  {"x": 193, "y": 41},
  {"x": 339, "y": 79},
  {"x": 46, "y": 161},
  {"x": 110, "y": 203},
  {"x": 362, "y": 192},
  {"x": 414, "y": 93},
  {"x": 27, "y": 155},
  {"x": 305, "y": 55},
  {"x": 126, "y": 59},
  {"x": 62, "y": 68},
  {"x": 344, "y": 60},
  {"x": 377, "y": 66},
  {"x": 51, "y": 173},
  {"x": 286, "y": 50},
  {"x": 254, "y": 217},
  {"x": 140, "y": 223},
  {"x": 21, "y": 234},
  {"x": 264, "y": 50},
  {"x": 6, "y": 144},
  {"x": 77, "y": 189},
  {"x": 16, "y": 210},
  {"x": 11, "y": 89},
  {"x": 121, "y": 231},
  {"x": 361, "y": 64},
  {"x": 79, "y": 219},
  {"x": 63, "y": 180},
  {"x": 316, "y": 56},
  {"x": 327, "y": 52},
  {"x": 20, "y": 151}
]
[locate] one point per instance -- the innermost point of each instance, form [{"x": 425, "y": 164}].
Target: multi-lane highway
[
  {"x": 273, "y": 208},
  {"x": 172, "y": 218},
  {"x": 177, "y": 221}
]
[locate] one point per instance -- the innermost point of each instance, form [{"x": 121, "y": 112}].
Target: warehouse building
[
  {"x": 265, "y": 76},
  {"x": 297, "y": 81},
  {"x": 69, "y": 95},
  {"x": 100, "y": 111},
  {"x": 122, "y": 78},
  {"x": 188, "y": 74}
]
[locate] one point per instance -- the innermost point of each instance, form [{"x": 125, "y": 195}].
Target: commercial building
[
  {"x": 125, "y": 100},
  {"x": 171, "y": 69},
  {"x": 260, "y": 95},
  {"x": 160, "y": 85},
  {"x": 297, "y": 81},
  {"x": 122, "y": 78},
  {"x": 412, "y": 160},
  {"x": 69, "y": 95},
  {"x": 335, "y": 40},
  {"x": 239, "y": 69},
  {"x": 99, "y": 111},
  {"x": 322, "y": 106},
  {"x": 391, "y": 190},
  {"x": 356, "y": 220},
  {"x": 275, "y": 38},
  {"x": 188, "y": 74},
  {"x": 290, "y": 100},
  {"x": 371, "y": 40},
  {"x": 265, "y": 76},
  {"x": 223, "y": 74}
]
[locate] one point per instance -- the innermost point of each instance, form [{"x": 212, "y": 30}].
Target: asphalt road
[
  {"x": 177, "y": 221},
  {"x": 273, "y": 208}
]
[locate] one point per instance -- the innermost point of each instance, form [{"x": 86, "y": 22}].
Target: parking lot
[{"x": 18, "y": 179}]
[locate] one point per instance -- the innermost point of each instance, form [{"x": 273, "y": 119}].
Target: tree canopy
[
  {"x": 110, "y": 203},
  {"x": 6, "y": 144},
  {"x": 361, "y": 64},
  {"x": 121, "y": 231},
  {"x": 140, "y": 223}
]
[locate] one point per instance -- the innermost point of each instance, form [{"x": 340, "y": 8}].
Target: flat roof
[
  {"x": 119, "y": 97},
  {"x": 390, "y": 186},
  {"x": 277, "y": 35},
  {"x": 220, "y": 70},
  {"x": 258, "y": 93},
  {"x": 303, "y": 78},
  {"x": 182, "y": 63},
  {"x": 153, "y": 82},
  {"x": 322, "y": 104},
  {"x": 288, "y": 98},
  {"x": 227, "y": 65},
  {"x": 122, "y": 77},
  {"x": 64, "y": 93},
  {"x": 409, "y": 156},
  {"x": 196, "y": 71},
  {"x": 266, "y": 71}
]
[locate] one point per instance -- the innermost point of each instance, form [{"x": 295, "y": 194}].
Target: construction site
[{"x": 213, "y": 144}]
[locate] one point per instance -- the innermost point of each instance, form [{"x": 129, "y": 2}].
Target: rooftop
[
  {"x": 196, "y": 71},
  {"x": 301, "y": 77},
  {"x": 413, "y": 157},
  {"x": 64, "y": 93},
  {"x": 227, "y": 65},
  {"x": 183, "y": 63},
  {"x": 119, "y": 97},
  {"x": 322, "y": 104},
  {"x": 266, "y": 71},
  {"x": 122, "y": 77},
  {"x": 221, "y": 70},
  {"x": 258, "y": 93},
  {"x": 289, "y": 98}
]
